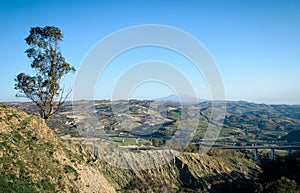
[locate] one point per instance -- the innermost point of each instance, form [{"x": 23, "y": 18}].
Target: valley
[
  {"x": 128, "y": 121},
  {"x": 134, "y": 146}
]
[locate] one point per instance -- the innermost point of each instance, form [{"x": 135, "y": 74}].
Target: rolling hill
[{"x": 34, "y": 159}]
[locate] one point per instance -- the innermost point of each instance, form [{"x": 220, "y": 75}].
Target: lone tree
[{"x": 44, "y": 88}]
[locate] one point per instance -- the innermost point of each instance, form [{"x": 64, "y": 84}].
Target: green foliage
[
  {"x": 70, "y": 169},
  {"x": 47, "y": 60},
  {"x": 27, "y": 161},
  {"x": 3, "y": 105},
  {"x": 192, "y": 147},
  {"x": 157, "y": 142},
  {"x": 222, "y": 153},
  {"x": 148, "y": 184},
  {"x": 282, "y": 185},
  {"x": 175, "y": 113},
  {"x": 12, "y": 183},
  {"x": 293, "y": 136},
  {"x": 46, "y": 186},
  {"x": 11, "y": 115}
]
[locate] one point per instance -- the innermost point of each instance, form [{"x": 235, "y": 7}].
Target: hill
[
  {"x": 244, "y": 122},
  {"x": 293, "y": 136},
  {"x": 34, "y": 159}
]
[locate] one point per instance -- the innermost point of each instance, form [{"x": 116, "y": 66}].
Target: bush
[
  {"x": 157, "y": 142},
  {"x": 191, "y": 148},
  {"x": 282, "y": 185}
]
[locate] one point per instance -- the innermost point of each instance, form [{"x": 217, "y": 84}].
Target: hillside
[
  {"x": 244, "y": 122},
  {"x": 292, "y": 137},
  {"x": 34, "y": 159},
  {"x": 188, "y": 172}
]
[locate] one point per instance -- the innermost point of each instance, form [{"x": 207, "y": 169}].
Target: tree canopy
[{"x": 44, "y": 88}]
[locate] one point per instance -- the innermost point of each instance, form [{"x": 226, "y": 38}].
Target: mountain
[{"x": 181, "y": 98}]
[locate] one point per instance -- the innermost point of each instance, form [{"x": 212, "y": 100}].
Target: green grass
[
  {"x": 12, "y": 183},
  {"x": 125, "y": 141},
  {"x": 70, "y": 169}
]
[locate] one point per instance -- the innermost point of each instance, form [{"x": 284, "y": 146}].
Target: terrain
[
  {"x": 243, "y": 122},
  {"x": 34, "y": 159},
  {"x": 72, "y": 155}
]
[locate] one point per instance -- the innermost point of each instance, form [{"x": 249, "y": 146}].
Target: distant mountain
[{"x": 181, "y": 98}]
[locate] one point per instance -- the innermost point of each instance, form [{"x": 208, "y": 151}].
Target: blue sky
[{"x": 254, "y": 43}]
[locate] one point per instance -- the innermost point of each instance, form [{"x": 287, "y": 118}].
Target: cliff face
[
  {"x": 34, "y": 159},
  {"x": 185, "y": 172}
]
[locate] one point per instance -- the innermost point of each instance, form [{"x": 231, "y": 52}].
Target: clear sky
[{"x": 256, "y": 44}]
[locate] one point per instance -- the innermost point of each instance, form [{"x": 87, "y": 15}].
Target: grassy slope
[{"x": 33, "y": 158}]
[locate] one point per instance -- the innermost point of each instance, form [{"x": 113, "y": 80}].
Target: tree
[
  {"x": 282, "y": 185},
  {"x": 44, "y": 87}
]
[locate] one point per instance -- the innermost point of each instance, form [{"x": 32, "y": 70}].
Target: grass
[
  {"x": 70, "y": 169},
  {"x": 27, "y": 162},
  {"x": 46, "y": 186},
  {"x": 12, "y": 183},
  {"x": 126, "y": 141}
]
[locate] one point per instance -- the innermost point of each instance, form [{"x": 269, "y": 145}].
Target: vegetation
[
  {"x": 244, "y": 123},
  {"x": 12, "y": 183},
  {"x": 47, "y": 60},
  {"x": 282, "y": 185},
  {"x": 293, "y": 136},
  {"x": 32, "y": 157},
  {"x": 29, "y": 149}
]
